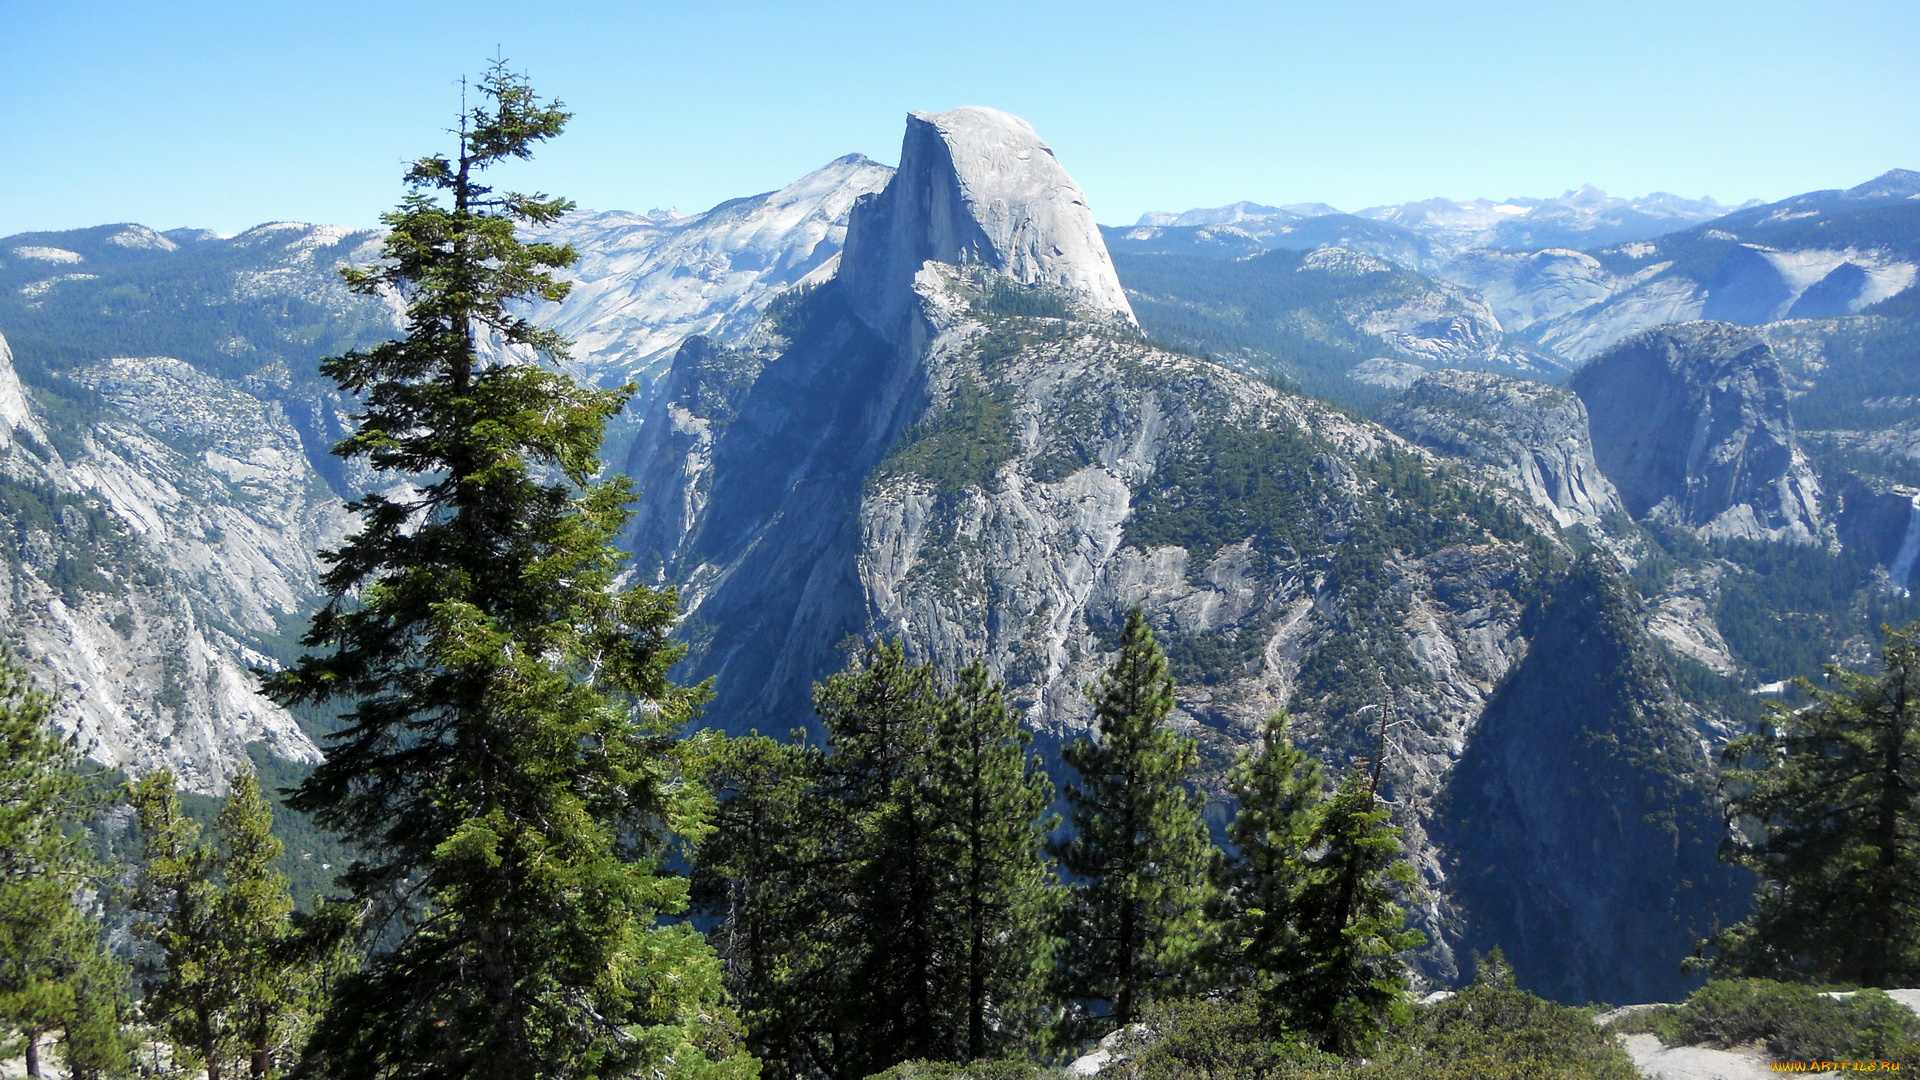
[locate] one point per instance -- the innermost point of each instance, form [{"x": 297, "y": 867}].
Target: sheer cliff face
[
  {"x": 975, "y": 186},
  {"x": 1533, "y": 436},
  {"x": 1690, "y": 422}
]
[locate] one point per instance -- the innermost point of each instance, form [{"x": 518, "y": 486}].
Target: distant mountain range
[
  {"x": 1455, "y": 449},
  {"x": 1583, "y": 218}
]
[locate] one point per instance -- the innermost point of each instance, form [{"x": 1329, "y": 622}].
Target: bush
[
  {"x": 1491, "y": 1031},
  {"x": 971, "y": 1070},
  {"x": 1210, "y": 1039},
  {"x": 1797, "y": 1023}
]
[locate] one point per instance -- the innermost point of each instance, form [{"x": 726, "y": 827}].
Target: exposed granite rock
[
  {"x": 1690, "y": 422},
  {"x": 1533, "y": 435},
  {"x": 974, "y": 186},
  {"x": 148, "y": 556}
]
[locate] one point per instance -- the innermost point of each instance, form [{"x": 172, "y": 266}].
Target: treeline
[{"x": 902, "y": 890}]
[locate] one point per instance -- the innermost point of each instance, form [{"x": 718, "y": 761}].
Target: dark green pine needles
[
  {"x": 508, "y": 763},
  {"x": 1135, "y": 925},
  {"x": 1832, "y": 792}
]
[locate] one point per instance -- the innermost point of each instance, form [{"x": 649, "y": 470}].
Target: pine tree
[
  {"x": 508, "y": 765},
  {"x": 764, "y": 875},
  {"x": 54, "y": 975},
  {"x": 1833, "y": 789},
  {"x": 1138, "y": 856},
  {"x": 992, "y": 804},
  {"x": 879, "y": 717},
  {"x": 1344, "y": 979},
  {"x": 255, "y": 912},
  {"x": 1278, "y": 791}
]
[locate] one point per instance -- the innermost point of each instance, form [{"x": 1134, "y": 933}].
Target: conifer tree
[
  {"x": 1134, "y": 924},
  {"x": 1278, "y": 791},
  {"x": 765, "y": 876},
  {"x": 55, "y": 978},
  {"x": 992, "y": 804},
  {"x": 1344, "y": 979},
  {"x": 1833, "y": 790},
  {"x": 508, "y": 764},
  {"x": 229, "y": 986},
  {"x": 879, "y": 717}
]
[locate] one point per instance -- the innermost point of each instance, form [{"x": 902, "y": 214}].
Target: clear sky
[{"x": 225, "y": 114}]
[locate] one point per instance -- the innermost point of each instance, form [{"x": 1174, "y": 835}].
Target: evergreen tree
[
  {"x": 54, "y": 976},
  {"x": 764, "y": 875},
  {"x": 230, "y": 986},
  {"x": 992, "y": 805},
  {"x": 1134, "y": 923},
  {"x": 1344, "y": 979},
  {"x": 1278, "y": 791},
  {"x": 890, "y": 929},
  {"x": 508, "y": 766},
  {"x": 1834, "y": 791}
]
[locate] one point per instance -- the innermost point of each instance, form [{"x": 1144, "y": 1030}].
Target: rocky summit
[{"x": 1691, "y": 423}]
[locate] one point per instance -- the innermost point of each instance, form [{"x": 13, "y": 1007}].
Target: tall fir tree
[
  {"x": 1833, "y": 793},
  {"x": 1344, "y": 980},
  {"x": 508, "y": 765},
  {"x": 1137, "y": 859},
  {"x": 1277, "y": 789},
  {"x": 55, "y": 977},
  {"x": 992, "y": 802}
]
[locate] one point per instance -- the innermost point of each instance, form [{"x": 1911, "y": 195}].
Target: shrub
[
  {"x": 1796, "y": 1022},
  {"x": 970, "y": 1070}
]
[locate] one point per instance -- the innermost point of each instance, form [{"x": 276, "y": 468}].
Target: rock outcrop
[
  {"x": 1534, "y": 436},
  {"x": 147, "y": 558},
  {"x": 975, "y": 186},
  {"x": 1690, "y": 422}
]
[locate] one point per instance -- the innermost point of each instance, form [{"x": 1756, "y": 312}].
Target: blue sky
[{"x": 225, "y": 115}]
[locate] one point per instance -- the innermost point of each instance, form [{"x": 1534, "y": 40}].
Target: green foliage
[
  {"x": 1344, "y": 980},
  {"x": 1797, "y": 1022},
  {"x": 55, "y": 976},
  {"x": 1278, "y": 791},
  {"x": 1490, "y": 1030},
  {"x": 508, "y": 767},
  {"x": 1133, "y": 927},
  {"x": 226, "y": 980},
  {"x": 1007, "y": 1069},
  {"x": 1004, "y": 298},
  {"x": 888, "y": 899},
  {"x": 1226, "y": 1037},
  {"x": 1831, "y": 794},
  {"x": 992, "y": 803},
  {"x": 964, "y": 443},
  {"x": 765, "y": 877}
]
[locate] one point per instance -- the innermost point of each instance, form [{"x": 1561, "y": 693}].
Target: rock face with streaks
[
  {"x": 146, "y": 556},
  {"x": 1534, "y": 436},
  {"x": 1690, "y": 422},
  {"x": 975, "y": 187}
]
